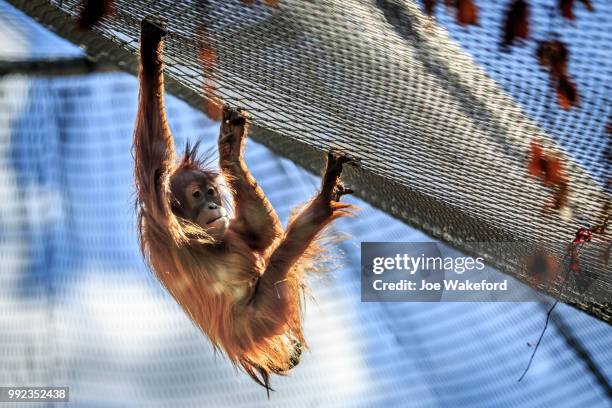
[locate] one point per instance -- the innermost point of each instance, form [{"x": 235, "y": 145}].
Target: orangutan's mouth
[{"x": 216, "y": 219}]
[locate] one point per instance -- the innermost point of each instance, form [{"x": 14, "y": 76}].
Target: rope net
[
  {"x": 441, "y": 120},
  {"x": 78, "y": 307}
]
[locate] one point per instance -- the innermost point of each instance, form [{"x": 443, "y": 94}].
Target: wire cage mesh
[
  {"x": 442, "y": 132},
  {"x": 440, "y": 118}
]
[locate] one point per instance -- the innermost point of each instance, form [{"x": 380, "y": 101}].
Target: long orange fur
[{"x": 244, "y": 291}]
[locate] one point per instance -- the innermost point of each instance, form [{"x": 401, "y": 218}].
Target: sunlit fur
[{"x": 244, "y": 291}]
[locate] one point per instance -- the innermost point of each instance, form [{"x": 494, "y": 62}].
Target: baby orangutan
[{"x": 239, "y": 278}]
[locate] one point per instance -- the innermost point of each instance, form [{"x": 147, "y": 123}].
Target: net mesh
[{"x": 440, "y": 120}]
